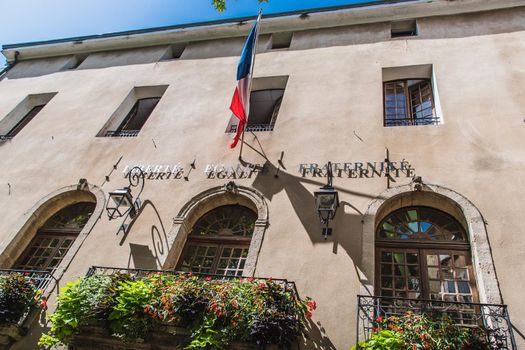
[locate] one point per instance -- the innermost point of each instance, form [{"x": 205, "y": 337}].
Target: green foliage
[
  {"x": 383, "y": 340},
  {"x": 128, "y": 320},
  {"x": 216, "y": 311},
  {"x": 17, "y": 296},
  {"x": 80, "y": 303},
  {"x": 419, "y": 331},
  {"x": 220, "y": 5}
]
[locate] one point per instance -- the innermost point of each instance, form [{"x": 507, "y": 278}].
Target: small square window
[
  {"x": 403, "y": 28},
  {"x": 281, "y": 40}
]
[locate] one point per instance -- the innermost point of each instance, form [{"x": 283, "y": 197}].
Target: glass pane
[
  {"x": 227, "y": 220},
  {"x": 420, "y": 223},
  {"x": 435, "y": 286},
  {"x": 400, "y": 283},
  {"x": 433, "y": 273},
  {"x": 386, "y": 257},
  {"x": 432, "y": 260},
  {"x": 386, "y": 282},
  {"x": 412, "y": 258}
]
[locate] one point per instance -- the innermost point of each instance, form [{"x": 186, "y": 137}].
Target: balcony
[
  {"x": 20, "y": 292},
  {"x": 153, "y": 309},
  {"x": 490, "y": 321}
]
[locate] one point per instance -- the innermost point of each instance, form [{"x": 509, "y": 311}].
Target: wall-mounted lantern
[
  {"x": 327, "y": 201},
  {"x": 121, "y": 202}
]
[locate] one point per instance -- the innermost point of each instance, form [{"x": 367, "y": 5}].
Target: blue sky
[{"x": 35, "y": 20}]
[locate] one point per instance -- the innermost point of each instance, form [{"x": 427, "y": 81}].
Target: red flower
[
  {"x": 308, "y": 314},
  {"x": 312, "y": 305},
  {"x": 262, "y": 285},
  {"x": 43, "y": 304},
  {"x": 208, "y": 278},
  {"x": 379, "y": 319},
  {"x": 190, "y": 273}
]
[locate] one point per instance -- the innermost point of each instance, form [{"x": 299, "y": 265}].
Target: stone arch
[
  {"x": 446, "y": 200},
  {"x": 208, "y": 200},
  {"x": 28, "y": 224}
]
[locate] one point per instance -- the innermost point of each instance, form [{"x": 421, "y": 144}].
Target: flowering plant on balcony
[
  {"x": 17, "y": 295},
  {"x": 419, "y": 331},
  {"x": 216, "y": 311}
]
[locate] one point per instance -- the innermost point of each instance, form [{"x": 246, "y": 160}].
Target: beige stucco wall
[{"x": 332, "y": 110}]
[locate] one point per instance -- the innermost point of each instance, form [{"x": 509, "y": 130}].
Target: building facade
[{"x": 417, "y": 105}]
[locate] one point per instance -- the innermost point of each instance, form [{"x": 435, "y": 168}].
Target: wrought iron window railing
[
  {"x": 39, "y": 280},
  {"x": 253, "y": 128},
  {"x": 122, "y": 133},
  {"x": 492, "y": 318},
  {"x": 428, "y": 120}
]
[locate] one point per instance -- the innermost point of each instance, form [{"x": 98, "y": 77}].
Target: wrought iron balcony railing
[
  {"x": 145, "y": 272},
  {"x": 492, "y": 318},
  {"x": 40, "y": 280},
  {"x": 122, "y": 133}
]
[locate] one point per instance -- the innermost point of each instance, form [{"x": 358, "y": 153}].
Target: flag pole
[{"x": 257, "y": 23}]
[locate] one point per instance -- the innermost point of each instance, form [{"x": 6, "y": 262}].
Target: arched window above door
[
  {"x": 421, "y": 224},
  {"x": 423, "y": 253},
  {"x": 219, "y": 241}
]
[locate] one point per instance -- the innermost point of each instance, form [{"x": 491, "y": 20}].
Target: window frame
[
  {"x": 410, "y": 119},
  {"x": 130, "y": 118},
  {"x": 62, "y": 234},
  {"x": 121, "y": 116},
  {"x": 422, "y": 249},
  {"x": 256, "y": 127},
  {"x": 219, "y": 241}
]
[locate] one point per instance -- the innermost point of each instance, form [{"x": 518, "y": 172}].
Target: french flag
[{"x": 241, "y": 96}]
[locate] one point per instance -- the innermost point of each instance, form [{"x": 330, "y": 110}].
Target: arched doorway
[
  {"x": 55, "y": 237},
  {"x": 219, "y": 241},
  {"x": 424, "y": 253}
]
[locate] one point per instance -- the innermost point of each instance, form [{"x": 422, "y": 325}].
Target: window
[
  {"x": 76, "y": 61},
  {"x": 403, "y": 28},
  {"x": 132, "y": 114},
  {"x": 410, "y": 96},
  {"x": 174, "y": 52},
  {"x": 23, "y": 113},
  {"x": 265, "y": 102},
  {"x": 53, "y": 240},
  {"x": 423, "y": 253},
  {"x": 219, "y": 241},
  {"x": 23, "y": 122},
  {"x": 281, "y": 40},
  {"x": 409, "y": 102},
  {"x": 136, "y": 118}
]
